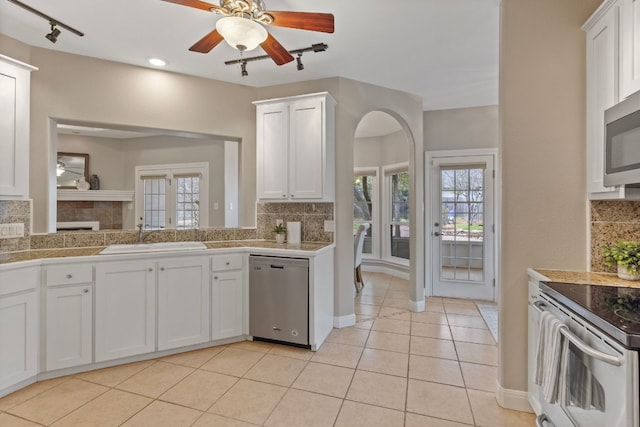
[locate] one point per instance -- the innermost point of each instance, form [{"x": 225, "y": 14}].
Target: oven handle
[{"x": 589, "y": 351}]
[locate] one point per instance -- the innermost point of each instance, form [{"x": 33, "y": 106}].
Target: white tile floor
[{"x": 394, "y": 368}]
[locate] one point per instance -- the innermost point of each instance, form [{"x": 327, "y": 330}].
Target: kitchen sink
[{"x": 152, "y": 247}]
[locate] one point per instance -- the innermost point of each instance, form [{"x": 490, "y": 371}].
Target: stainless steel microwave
[{"x": 622, "y": 143}]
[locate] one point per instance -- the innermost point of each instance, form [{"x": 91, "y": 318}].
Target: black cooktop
[{"x": 614, "y": 310}]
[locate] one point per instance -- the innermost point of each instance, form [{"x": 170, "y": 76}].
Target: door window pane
[
  {"x": 187, "y": 202},
  {"x": 154, "y": 203},
  {"x": 462, "y": 224}
]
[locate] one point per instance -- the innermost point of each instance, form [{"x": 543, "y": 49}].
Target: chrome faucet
[{"x": 142, "y": 236}]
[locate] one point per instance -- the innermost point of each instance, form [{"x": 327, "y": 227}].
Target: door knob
[{"x": 436, "y": 233}]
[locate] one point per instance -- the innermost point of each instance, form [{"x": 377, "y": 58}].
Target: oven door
[{"x": 602, "y": 377}]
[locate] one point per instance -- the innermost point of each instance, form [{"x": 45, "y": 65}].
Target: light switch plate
[
  {"x": 329, "y": 226},
  {"x": 11, "y": 231}
]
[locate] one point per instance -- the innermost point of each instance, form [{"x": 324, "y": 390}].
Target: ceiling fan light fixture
[{"x": 241, "y": 33}]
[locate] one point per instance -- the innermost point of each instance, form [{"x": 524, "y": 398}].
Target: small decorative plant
[
  {"x": 626, "y": 256},
  {"x": 279, "y": 230}
]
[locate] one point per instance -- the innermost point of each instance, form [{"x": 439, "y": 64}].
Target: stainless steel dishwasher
[{"x": 279, "y": 299}]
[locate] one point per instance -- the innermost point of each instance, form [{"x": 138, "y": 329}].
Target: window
[
  {"x": 172, "y": 196},
  {"x": 397, "y": 215},
  {"x": 365, "y": 205}
]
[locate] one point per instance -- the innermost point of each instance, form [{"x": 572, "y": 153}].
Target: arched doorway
[{"x": 384, "y": 184}]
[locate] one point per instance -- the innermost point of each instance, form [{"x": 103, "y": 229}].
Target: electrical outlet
[
  {"x": 329, "y": 226},
  {"x": 11, "y": 231},
  {"x": 216, "y": 206}
]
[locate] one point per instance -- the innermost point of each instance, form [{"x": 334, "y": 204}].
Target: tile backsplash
[
  {"x": 15, "y": 211},
  {"x": 611, "y": 221},
  {"x": 311, "y": 216}
]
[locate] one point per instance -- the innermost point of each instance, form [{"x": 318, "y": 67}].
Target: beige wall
[
  {"x": 71, "y": 87},
  {"x": 461, "y": 128},
  {"x": 542, "y": 112},
  {"x": 381, "y": 150}
]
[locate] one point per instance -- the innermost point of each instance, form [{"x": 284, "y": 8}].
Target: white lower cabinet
[
  {"x": 183, "y": 302},
  {"x": 227, "y": 304},
  {"x": 18, "y": 338},
  {"x": 69, "y": 326},
  {"x": 125, "y": 309}
]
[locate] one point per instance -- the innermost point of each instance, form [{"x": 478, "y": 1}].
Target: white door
[
  {"x": 461, "y": 227},
  {"x": 18, "y": 338},
  {"x": 227, "y": 304},
  {"x": 69, "y": 326},
  {"x": 125, "y": 309},
  {"x": 183, "y": 302}
]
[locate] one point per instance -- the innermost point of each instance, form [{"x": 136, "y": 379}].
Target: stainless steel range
[{"x": 600, "y": 386}]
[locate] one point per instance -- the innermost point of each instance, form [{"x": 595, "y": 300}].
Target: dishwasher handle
[{"x": 279, "y": 267}]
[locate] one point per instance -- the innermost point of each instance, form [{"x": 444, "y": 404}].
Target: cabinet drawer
[
  {"x": 69, "y": 274},
  {"x": 226, "y": 262}
]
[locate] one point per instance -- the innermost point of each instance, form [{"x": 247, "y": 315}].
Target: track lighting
[
  {"x": 55, "y": 32},
  {"x": 318, "y": 47},
  {"x": 299, "y": 62},
  {"x": 53, "y": 35}
]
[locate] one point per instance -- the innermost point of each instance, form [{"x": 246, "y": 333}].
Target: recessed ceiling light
[{"x": 158, "y": 62}]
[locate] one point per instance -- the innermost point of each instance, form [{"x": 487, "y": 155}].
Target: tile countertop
[
  {"x": 36, "y": 254},
  {"x": 584, "y": 278}
]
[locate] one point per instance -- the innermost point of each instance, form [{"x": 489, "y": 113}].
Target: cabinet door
[
  {"x": 18, "y": 338},
  {"x": 272, "y": 142},
  {"x": 14, "y": 127},
  {"x": 602, "y": 89},
  {"x": 306, "y": 149},
  {"x": 125, "y": 309},
  {"x": 227, "y": 304},
  {"x": 532, "y": 343},
  {"x": 629, "y": 47},
  {"x": 183, "y": 302},
  {"x": 69, "y": 326}
]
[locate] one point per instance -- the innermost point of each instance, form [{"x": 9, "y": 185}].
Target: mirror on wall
[{"x": 70, "y": 167}]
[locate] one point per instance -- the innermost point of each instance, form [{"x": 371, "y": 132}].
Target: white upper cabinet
[
  {"x": 613, "y": 56},
  {"x": 629, "y": 47},
  {"x": 602, "y": 92},
  {"x": 295, "y": 148},
  {"x": 14, "y": 128}
]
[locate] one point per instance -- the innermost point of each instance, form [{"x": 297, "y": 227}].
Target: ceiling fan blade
[
  {"x": 197, "y": 4},
  {"x": 208, "y": 42},
  {"x": 322, "y": 22},
  {"x": 276, "y": 51}
]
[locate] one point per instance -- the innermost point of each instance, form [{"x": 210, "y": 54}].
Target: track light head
[
  {"x": 53, "y": 35},
  {"x": 243, "y": 67},
  {"x": 299, "y": 62}
]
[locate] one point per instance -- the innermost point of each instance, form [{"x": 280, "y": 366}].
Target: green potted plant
[
  {"x": 280, "y": 231},
  {"x": 626, "y": 256}
]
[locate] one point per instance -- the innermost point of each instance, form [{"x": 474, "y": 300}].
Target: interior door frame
[{"x": 429, "y": 219}]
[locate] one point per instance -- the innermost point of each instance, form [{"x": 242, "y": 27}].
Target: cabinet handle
[
  {"x": 151, "y": 269},
  {"x": 292, "y": 195},
  {"x": 86, "y": 291},
  {"x": 215, "y": 277},
  {"x": 161, "y": 268},
  {"x": 284, "y": 195},
  {"x": 227, "y": 263},
  {"x": 69, "y": 276}
]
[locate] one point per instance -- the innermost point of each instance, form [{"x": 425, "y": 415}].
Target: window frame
[
  {"x": 375, "y": 209},
  {"x": 387, "y": 215},
  {"x": 170, "y": 173}
]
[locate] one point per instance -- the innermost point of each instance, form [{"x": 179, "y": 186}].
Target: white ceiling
[{"x": 444, "y": 50}]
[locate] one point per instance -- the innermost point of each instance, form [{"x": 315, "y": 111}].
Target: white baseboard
[
  {"x": 344, "y": 321},
  {"x": 378, "y": 266},
  {"x": 417, "y": 306},
  {"x": 513, "y": 399}
]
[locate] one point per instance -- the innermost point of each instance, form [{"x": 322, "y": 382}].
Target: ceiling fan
[{"x": 243, "y": 26}]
